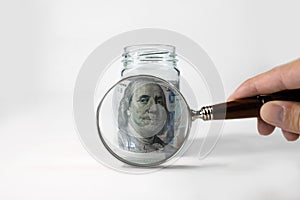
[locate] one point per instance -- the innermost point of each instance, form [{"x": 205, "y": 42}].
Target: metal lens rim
[{"x": 154, "y": 163}]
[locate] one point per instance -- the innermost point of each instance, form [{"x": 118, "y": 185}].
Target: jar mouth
[
  {"x": 142, "y": 47},
  {"x": 149, "y": 53}
]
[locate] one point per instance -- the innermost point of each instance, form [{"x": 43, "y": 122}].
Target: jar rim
[{"x": 139, "y": 47}]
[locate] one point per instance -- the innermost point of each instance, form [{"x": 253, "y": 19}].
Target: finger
[
  {"x": 289, "y": 136},
  {"x": 283, "y": 114},
  {"x": 277, "y": 79},
  {"x": 264, "y": 128}
]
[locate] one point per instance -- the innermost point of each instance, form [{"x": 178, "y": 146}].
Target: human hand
[{"x": 282, "y": 114}]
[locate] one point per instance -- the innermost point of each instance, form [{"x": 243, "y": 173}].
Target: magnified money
[{"x": 134, "y": 126}]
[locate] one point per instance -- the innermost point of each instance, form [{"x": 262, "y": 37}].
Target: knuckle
[{"x": 251, "y": 85}]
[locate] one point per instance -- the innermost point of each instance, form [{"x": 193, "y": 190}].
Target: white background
[{"x": 43, "y": 45}]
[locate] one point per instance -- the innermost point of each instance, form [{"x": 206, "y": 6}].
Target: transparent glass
[
  {"x": 160, "y": 61},
  {"x": 151, "y": 59},
  {"x": 136, "y": 133}
]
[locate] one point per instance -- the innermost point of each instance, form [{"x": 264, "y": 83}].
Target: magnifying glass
[{"x": 134, "y": 127}]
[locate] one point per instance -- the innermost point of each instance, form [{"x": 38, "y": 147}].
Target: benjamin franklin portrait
[{"x": 142, "y": 117}]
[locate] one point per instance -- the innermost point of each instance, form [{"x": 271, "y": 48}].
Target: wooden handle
[{"x": 250, "y": 107}]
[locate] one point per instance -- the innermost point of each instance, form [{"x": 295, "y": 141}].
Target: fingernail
[
  {"x": 229, "y": 98},
  {"x": 273, "y": 113}
]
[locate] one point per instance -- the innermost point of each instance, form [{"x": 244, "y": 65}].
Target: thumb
[{"x": 283, "y": 114}]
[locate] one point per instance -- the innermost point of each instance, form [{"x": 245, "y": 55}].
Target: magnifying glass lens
[{"x": 143, "y": 120}]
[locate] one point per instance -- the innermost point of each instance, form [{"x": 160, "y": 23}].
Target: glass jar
[
  {"x": 160, "y": 61},
  {"x": 151, "y": 59}
]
